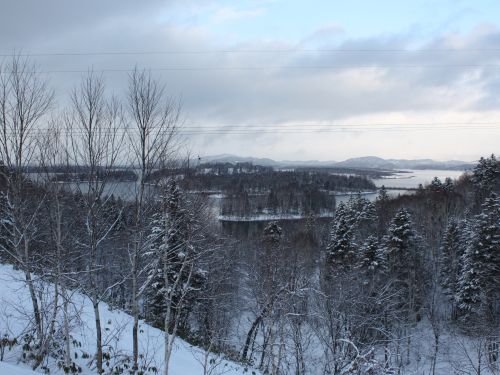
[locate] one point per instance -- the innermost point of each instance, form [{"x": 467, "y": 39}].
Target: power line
[
  {"x": 338, "y": 130},
  {"x": 305, "y": 125},
  {"x": 251, "y": 131},
  {"x": 250, "y": 51},
  {"x": 322, "y": 125},
  {"x": 262, "y": 68}
]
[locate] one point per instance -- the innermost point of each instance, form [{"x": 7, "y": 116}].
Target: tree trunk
[
  {"x": 67, "y": 351},
  {"x": 34, "y": 301},
  {"x": 135, "y": 313},
  {"x": 95, "y": 303},
  {"x": 49, "y": 335},
  {"x": 250, "y": 333}
]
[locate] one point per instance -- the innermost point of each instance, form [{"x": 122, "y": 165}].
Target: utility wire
[
  {"x": 263, "y": 51},
  {"x": 333, "y": 125},
  {"x": 275, "y": 131},
  {"x": 262, "y": 68}
]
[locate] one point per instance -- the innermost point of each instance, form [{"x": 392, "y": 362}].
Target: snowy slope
[
  {"x": 117, "y": 334},
  {"x": 8, "y": 369}
]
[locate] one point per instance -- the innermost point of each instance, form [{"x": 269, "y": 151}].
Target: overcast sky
[{"x": 289, "y": 79}]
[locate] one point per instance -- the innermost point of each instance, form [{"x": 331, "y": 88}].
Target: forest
[
  {"x": 251, "y": 190},
  {"x": 400, "y": 285}
]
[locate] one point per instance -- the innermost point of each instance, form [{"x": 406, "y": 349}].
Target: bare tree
[
  {"x": 24, "y": 100},
  {"x": 153, "y": 140},
  {"x": 61, "y": 260},
  {"x": 95, "y": 140},
  {"x": 270, "y": 285}
]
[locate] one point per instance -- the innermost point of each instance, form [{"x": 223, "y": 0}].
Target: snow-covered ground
[
  {"x": 456, "y": 354},
  {"x": 117, "y": 335},
  {"x": 270, "y": 217},
  {"x": 9, "y": 369}
]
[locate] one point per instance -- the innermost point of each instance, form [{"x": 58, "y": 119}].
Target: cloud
[
  {"x": 324, "y": 35},
  {"x": 229, "y": 14},
  {"x": 330, "y": 78}
]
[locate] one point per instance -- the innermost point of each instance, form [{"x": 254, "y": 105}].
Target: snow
[
  {"x": 353, "y": 193},
  {"x": 270, "y": 217},
  {"x": 8, "y": 369},
  {"x": 117, "y": 334}
]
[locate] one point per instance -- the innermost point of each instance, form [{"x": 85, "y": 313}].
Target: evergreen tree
[
  {"x": 172, "y": 272},
  {"x": 452, "y": 250},
  {"x": 436, "y": 186},
  {"x": 405, "y": 263},
  {"x": 361, "y": 210},
  {"x": 485, "y": 174},
  {"x": 272, "y": 202},
  {"x": 341, "y": 250},
  {"x": 383, "y": 196},
  {"x": 479, "y": 282},
  {"x": 154, "y": 296},
  {"x": 372, "y": 262},
  {"x": 382, "y": 211},
  {"x": 448, "y": 185}
]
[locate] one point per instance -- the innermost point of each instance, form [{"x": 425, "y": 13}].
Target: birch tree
[
  {"x": 153, "y": 140},
  {"x": 94, "y": 124},
  {"x": 25, "y": 99}
]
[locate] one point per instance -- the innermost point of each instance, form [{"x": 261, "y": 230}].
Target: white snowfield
[
  {"x": 8, "y": 369},
  {"x": 117, "y": 336}
]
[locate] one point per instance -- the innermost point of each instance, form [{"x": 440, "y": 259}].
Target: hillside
[
  {"x": 9, "y": 369},
  {"x": 14, "y": 300}
]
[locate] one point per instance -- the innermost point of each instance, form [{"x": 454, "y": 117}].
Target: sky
[{"x": 287, "y": 79}]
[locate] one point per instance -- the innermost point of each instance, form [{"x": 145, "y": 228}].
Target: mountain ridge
[{"x": 370, "y": 162}]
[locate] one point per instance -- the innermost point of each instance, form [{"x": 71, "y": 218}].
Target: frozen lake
[{"x": 412, "y": 178}]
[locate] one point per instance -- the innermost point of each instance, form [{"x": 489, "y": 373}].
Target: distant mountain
[
  {"x": 372, "y": 162},
  {"x": 233, "y": 159},
  {"x": 375, "y": 162},
  {"x": 379, "y": 163},
  {"x": 365, "y": 162}
]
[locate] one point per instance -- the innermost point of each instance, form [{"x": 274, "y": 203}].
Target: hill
[
  {"x": 117, "y": 331},
  {"x": 365, "y": 162}
]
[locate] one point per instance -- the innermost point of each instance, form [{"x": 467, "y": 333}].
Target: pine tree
[
  {"x": 372, "y": 262},
  {"x": 479, "y": 282},
  {"x": 341, "y": 250},
  {"x": 436, "y": 186},
  {"x": 485, "y": 174},
  {"x": 448, "y": 185},
  {"x": 272, "y": 202},
  {"x": 404, "y": 259},
  {"x": 361, "y": 210},
  {"x": 154, "y": 296},
  {"x": 383, "y": 196},
  {"x": 400, "y": 242},
  {"x": 382, "y": 211},
  {"x": 172, "y": 274},
  {"x": 452, "y": 250}
]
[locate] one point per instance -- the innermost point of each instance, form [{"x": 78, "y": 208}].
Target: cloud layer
[{"x": 289, "y": 87}]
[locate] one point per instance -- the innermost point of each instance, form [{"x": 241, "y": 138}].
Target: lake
[{"x": 409, "y": 179}]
